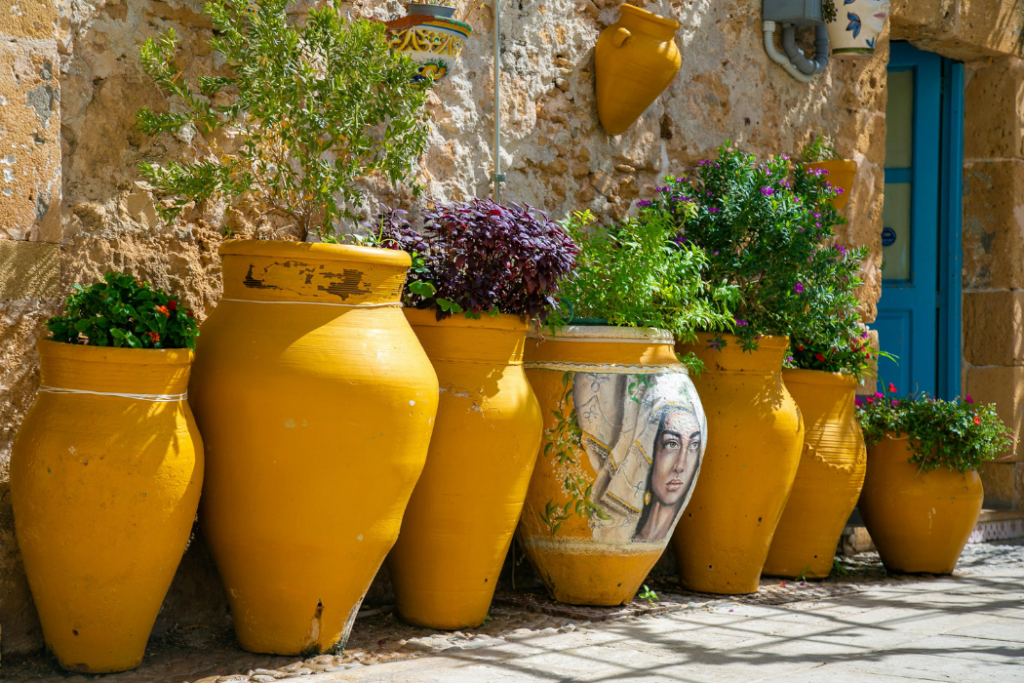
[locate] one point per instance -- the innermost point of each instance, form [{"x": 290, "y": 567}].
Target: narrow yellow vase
[
  {"x": 105, "y": 490},
  {"x": 624, "y": 435},
  {"x": 636, "y": 58},
  {"x": 829, "y": 479},
  {"x": 841, "y": 173},
  {"x": 918, "y": 521},
  {"x": 464, "y": 510},
  {"x": 722, "y": 540},
  {"x": 316, "y": 403}
]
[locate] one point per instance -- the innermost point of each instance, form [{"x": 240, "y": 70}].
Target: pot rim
[
  {"x": 315, "y": 250},
  {"x": 426, "y": 317},
  {"x": 808, "y": 376},
  {"x": 842, "y": 164},
  {"x": 771, "y": 342},
  {"x": 643, "y": 14},
  {"x": 84, "y": 353},
  {"x": 604, "y": 334}
]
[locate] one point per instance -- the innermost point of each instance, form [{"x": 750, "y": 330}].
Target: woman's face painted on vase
[
  {"x": 875, "y": 14},
  {"x": 676, "y": 454}
]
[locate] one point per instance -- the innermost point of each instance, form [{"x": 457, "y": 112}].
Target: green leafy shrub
[
  {"x": 638, "y": 273},
  {"x": 761, "y": 224},
  {"x": 829, "y": 335},
  {"x": 821, "y": 148},
  {"x": 955, "y": 434},
  {"x": 315, "y": 106},
  {"x": 121, "y": 311}
]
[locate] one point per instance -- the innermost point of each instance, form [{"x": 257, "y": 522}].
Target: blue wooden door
[{"x": 919, "y": 313}]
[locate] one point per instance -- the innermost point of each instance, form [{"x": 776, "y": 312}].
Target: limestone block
[
  {"x": 960, "y": 29},
  {"x": 994, "y": 111},
  {"x": 29, "y": 270},
  {"x": 1000, "y": 482},
  {"x": 993, "y": 228},
  {"x": 912, "y": 19},
  {"x": 1003, "y": 386},
  {"x": 993, "y": 326}
]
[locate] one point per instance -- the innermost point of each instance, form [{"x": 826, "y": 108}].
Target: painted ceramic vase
[
  {"x": 316, "y": 403},
  {"x": 624, "y": 437},
  {"x": 829, "y": 479},
  {"x": 918, "y": 521},
  {"x": 464, "y": 510},
  {"x": 635, "y": 60},
  {"x": 433, "y": 40},
  {"x": 722, "y": 540},
  {"x": 841, "y": 173},
  {"x": 857, "y": 26},
  {"x": 105, "y": 479}
]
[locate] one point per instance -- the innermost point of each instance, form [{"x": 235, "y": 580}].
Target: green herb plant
[
  {"x": 639, "y": 273},
  {"x": 956, "y": 434},
  {"x": 315, "y": 106},
  {"x": 647, "y": 594},
  {"x": 761, "y": 225},
  {"x": 821, "y": 148},
  {"x": 121, "y": 311}
]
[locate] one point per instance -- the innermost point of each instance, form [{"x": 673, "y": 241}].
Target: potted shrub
[
  {"x": 106, "y": 471},
  {"x": 624, "y": 430},
  {"x": 309, "y": 386},
  {"x": 922, "y": 495},
  {"x": 482, "y": 272},
  {"x": 828, "y": 359},
  {"x": 431, "y": 36},
  {"x": 821, "y": 156},
  {"x": 760, "y": 224}
]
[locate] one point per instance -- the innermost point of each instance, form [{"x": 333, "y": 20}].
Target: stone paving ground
[{"x": 863, "y": 626}]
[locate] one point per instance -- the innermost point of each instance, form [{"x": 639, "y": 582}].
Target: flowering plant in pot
[
  {"x": 828, "y": 358},
  {"x": 106, "y": 470},
  {"x": 923, "y": 495},
  {"x": 820, "y": 156},
  {"x": 624, "y": 429},
  {"x": 481, "y": 272},
  {"x": 315, "y": 103},
  {"x": 762, "y": 225}
]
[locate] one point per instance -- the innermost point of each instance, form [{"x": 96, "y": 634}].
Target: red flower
[
  {"x": 820, "y": 357},
  {"x": 153, "y": 337},
  {"x": 799, "y": 348},
  {"x": 172, "y": 304},
  {"x": 163, "y": 309},
  {"x": 892, "y": 388},
  {"x": 977, "y": 420},
  {"x": 189, "y": 314}
]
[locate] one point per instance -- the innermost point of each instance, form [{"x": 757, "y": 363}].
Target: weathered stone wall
[{"x": 555, "y": 156}]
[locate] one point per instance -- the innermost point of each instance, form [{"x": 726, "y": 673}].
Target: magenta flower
[
  {"x": 713, "y": 209},
  {"x": 969, "y": 399},
  {"x": 799, "y": 288},
  {"x": 858, "y": 401},
  {"x": 767, "y": 191},
  {"x": 643, "y": 203},
  {"x": 741, "y": 323}
]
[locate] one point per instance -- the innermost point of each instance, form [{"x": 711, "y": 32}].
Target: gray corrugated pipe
[
  {"x": 796, "y": 55},
  {"x": 779, "y": 58}
]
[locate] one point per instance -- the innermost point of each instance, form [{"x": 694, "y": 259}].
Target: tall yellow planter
[
  {"x": 919, "y": 521},
  {"x": 316, "y": 404},
  {"x": 635, "y": 60},
  {"x": 105, "y": 480},
  {"x": 624, "y": 437},
  {"x": 829, "y": 479},
  {"x": 461, "y": 517},
  {"x": 722, "y": 541}
]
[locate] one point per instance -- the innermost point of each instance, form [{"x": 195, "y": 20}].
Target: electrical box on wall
[{"x": 796, "y": 12}]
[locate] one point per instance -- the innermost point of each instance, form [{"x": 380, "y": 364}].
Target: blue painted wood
[{"x": 919, "y": 318}]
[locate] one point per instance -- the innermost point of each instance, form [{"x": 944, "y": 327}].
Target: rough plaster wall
[{"x": 555, "y": 156}]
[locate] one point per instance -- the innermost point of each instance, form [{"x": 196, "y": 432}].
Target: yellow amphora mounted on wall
[
  {"x": 624, "y": 436},
  {"x": 635, "y": 60}
]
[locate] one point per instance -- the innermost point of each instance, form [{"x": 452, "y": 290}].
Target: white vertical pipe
[{"x": 497, "y": 177}]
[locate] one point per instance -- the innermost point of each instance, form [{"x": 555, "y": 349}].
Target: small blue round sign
[{"x": 888, "y": 237}]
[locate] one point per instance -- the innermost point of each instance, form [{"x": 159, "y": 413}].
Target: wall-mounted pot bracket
[{"x": 790, "y": 14}]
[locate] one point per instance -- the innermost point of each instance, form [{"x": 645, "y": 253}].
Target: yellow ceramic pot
[
  {"x": 841, "y": 173},
  {"x": 624, "y": 437},
  {"x": 635, "y": 60},
  {"x": 462, "y": 515},
  {"x": 105, "y": 489},
  {"x": 829, "y": 479},
  {"x": 316, "y": 403},
  {"x": 918, "y": 521},
  {"x": 757, "y": 433}
]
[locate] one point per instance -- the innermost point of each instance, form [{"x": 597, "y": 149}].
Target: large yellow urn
[
  {"x": 464, "y": 510},
  {"x": 105, "y": 478},
  {"x": 918, "y": 521},
  {"x": 624, "y": 435},
  {"x": 757, "y": 433},
  {"x": 829, "y": 479},
  {"x": 636, "y": 58},
  {"x": 316, "y": 403}
]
